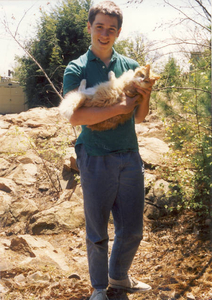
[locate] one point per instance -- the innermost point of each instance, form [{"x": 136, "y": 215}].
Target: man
[{"x": 110, "y": 166}]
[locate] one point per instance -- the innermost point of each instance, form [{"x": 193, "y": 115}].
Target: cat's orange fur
[{"x": 107, "y": 94}]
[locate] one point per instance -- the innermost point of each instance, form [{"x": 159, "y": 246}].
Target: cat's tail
[{"x": 70, "y": 103}]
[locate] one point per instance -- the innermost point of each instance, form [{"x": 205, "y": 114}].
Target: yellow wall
[{"x": 12, "y": 98}]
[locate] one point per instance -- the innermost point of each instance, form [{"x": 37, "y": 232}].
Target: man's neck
[{"x": 104, "y": 56}]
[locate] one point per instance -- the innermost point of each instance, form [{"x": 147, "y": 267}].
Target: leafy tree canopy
[{"x": 61, "y": 37}]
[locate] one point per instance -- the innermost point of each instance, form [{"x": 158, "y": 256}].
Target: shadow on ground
[{"x": 117, "y": 294}]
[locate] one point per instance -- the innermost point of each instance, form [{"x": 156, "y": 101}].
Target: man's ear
[
  {"x": 119, "y": 31},
  {"x": 89, "y": 27}
]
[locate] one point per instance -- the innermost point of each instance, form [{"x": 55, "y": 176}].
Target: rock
[
  {"x": 3, "y": 289},
  {"x": 159, "y": 196},
  {"x": 18, "y": 210},
  {"x": 75, "y": 276},
  {"x": 152, "y": 150},
  {"x": 4, "y": 125},
  {"x": 45, "y": 253},
  {"x": 35, "y": 117},
  {"x": 20, "y": 245},
  {"x": 208, "y": 222},
  {"x": 20, "y": 279},
  {"x": 38, "y": 277},
  {"x": 18, "y": 227},
  {"x": 190, "y": 296},
  {"x": 24, "y": 174},
  {"x": 149, "y": 180},
  {"x": 70, "y": 159},
  {"x": 31, "y": 252},
  {"x": 7, "y": 185},
  {"x": 23, "y": 209},
  {"x": 4, "y": 165},
  {"x": 5, "y": 203},
  {"x": 15, "y": 141},
  {"x": 29, "y": 158},
  {"x": 151, "y": 127},
  {"x": 63, "y": 216}
]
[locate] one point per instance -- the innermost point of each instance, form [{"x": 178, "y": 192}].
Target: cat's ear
[
  {"x": 150, "y": 74},
  {"x": 156, "y": 77},
  {"x": 147, "y": 67}
]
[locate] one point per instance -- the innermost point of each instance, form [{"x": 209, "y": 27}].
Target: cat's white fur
[{"x": 107, "y": 94}]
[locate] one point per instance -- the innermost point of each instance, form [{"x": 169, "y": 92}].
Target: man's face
[{"x": 104, "y": 32}]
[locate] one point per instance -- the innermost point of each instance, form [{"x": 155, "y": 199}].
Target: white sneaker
[
  {"x": 129, "y": 285},
  {"x": 99, "y": 295}
]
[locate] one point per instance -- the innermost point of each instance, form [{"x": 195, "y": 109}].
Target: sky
[{"x": 144, "y": 18}]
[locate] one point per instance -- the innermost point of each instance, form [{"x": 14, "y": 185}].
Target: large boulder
[
  {"x": 24, "y": 174},
  {"x": 160, "y": 199},
  {"x": 15, "y": 211},
  {"x": 152, "y": 151},
  {"x": 64, "y": 215},
  {"x": 15, "y": 141},
  {"x": 30, "y": 251}
]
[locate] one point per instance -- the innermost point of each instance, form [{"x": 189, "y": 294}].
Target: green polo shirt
[{"x": 89, "y": 67}]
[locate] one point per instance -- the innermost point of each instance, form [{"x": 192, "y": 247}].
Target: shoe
[
  {"x": 129, "y": 285},
  {"x": 99, "y": 295}
]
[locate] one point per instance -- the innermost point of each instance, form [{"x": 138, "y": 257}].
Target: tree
[
  {"x": 184, "y": 96},
  {"x": 189, "y": 130},
  {"x": 170, "y": 77},
  {"x": 61, "y": 37},
  {"x": 138, "y": 48},
  {"x": 188, "y": 127}
]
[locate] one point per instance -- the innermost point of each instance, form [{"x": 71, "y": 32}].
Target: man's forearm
[
  {"x": 142, "y": 111},
  {"x": 94, "y": 115}
]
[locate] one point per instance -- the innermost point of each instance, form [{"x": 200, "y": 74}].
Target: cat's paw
[
  {"x": 111, "y": 75},
  {"x": 82, "y": 86}
]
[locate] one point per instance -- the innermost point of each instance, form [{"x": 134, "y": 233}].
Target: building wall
[{"x": 12, "y": 97}]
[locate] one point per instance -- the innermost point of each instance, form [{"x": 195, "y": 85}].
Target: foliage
[
  {"x": 188, "y": 128},
  {"x": 133, "y": 48},
  {"x": 138, "y": 48},
  {"x": 171, "y": 77},
  {"x": 61, "y": 37}
]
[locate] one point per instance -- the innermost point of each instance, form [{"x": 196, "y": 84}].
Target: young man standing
[{"x": 110, "y": 166}]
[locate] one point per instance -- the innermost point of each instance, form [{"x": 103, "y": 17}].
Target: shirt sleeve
[{"x": 72, "y": 77}]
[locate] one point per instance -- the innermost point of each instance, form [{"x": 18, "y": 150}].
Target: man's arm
[
  {"x": 143, "y": 108},
  {"x": 94, "y": 115}
]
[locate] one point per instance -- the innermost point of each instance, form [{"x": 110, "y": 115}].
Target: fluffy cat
[{"x": 107, "y": 94}]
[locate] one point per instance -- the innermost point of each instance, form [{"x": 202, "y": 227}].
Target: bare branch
[
  {"x": 6, "y": 26},
  {"x": 208, "y": 15},
  {"x": 22, "y": 20},
  {"x": 182, "y": 88},
  {"x": 32, "y": 57},
  {"x": 187, "y": 17}
]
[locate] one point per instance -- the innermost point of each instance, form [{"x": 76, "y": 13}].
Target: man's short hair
[{"x": 106, "y": 8}]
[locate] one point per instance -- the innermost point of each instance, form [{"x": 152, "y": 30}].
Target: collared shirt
[{"x": 91, "y": 68}]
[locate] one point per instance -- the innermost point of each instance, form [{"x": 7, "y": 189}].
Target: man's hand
[
  {"x": 128, "y": 104},
  {"x": 145, "y": 93},
  {"x": 143, "y": 107}
]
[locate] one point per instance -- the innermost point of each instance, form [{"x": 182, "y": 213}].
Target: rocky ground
[{"x": 42, "y": 233}]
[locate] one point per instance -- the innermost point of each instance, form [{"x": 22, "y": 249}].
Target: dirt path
[{"x": 174, "y": 258}]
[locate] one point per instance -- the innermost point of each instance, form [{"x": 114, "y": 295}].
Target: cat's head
[{"x": 144, "y": 77}]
